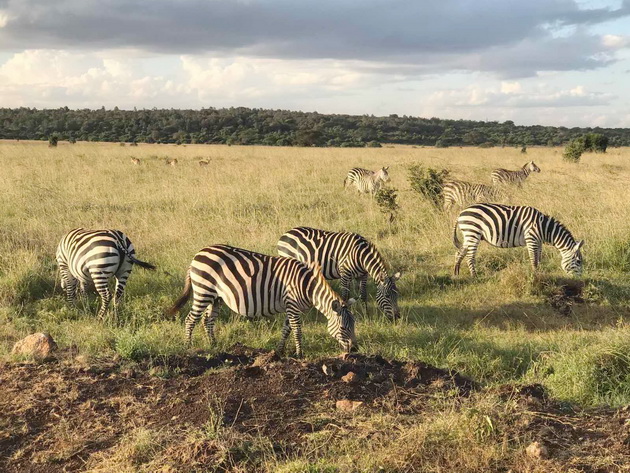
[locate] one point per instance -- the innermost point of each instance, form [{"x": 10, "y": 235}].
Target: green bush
[
  {"x": 595, "y": 142},
  {"x": 52, "y": 141},
  {"x": 573, "y": 151},
  {"x": 428, "y": 182},
  {"x": 387, "y": 200}
]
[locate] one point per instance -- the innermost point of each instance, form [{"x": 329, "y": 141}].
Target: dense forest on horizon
[{"x": 247, "y": 126}]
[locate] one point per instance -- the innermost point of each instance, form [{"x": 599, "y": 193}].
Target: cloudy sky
[{"x": 552, "y": 62}]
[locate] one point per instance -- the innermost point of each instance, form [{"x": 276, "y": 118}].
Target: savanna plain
[{"x": 510, "y": 371}]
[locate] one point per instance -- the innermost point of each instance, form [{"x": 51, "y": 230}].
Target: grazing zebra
[
  {"x": 203, "y": 162},
  {"x": 504, "y": 176},
  {"x": 95, "y": 256},
  {"x": 365, "y": 180},
  {"x": 508, "y": 226},
  {"x": 463, "y": 193},
  {"x": 252, "y": 284},
  {"x": 135, "y": 161},
  {"x": 345, "y": 256}
]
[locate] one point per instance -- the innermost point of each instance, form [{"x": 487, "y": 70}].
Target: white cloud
[
  {"x": 614, "y": 41},
  {"x": 510, "y": 87}
]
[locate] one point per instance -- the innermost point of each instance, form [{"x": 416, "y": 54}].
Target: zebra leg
[
  {"x": 292, "y": 323},
  {"x": 346, "y": 280},
  {"x": 471, "y": 256},
  {"x": 101, "y": 285},
  {"x": 534, "y": 249},
  {"x": 209, "y": 316},
  {"x": 68, "y": 284},
  {"x": 121, "y": 282},
  {"x": 458, "y": 259},
  {"x": 199, "y": 306},
  {"x": 363, "y": 292}
]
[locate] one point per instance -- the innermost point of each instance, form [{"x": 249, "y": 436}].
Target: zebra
[
  {"x": 508, "y": 226},
  {"x": 345, "y": 256},
  {"x": 366, "y": 181},
  {"x": 504, "y": 176},
  {"x": 135, "y": 161},
  {"x": 171, "y": 162},
  {"x": 203, "y": 162},
  {"x": 462, "y": 193},
  {"x": 253, "y": 284},
  {"x": 85, "y": 256}
]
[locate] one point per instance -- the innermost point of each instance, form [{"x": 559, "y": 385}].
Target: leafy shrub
[
  {"x": 428, "y": 182},
  {"x": 524, "y": 149},
  {"x": 441, "y": 144},
  {"x": 573, "y": 151},
  {"x": 487, "y": 144},
  {"x": 595, "y": 142},
  {"x": 52, "y": 141},
  {"x": 374, "y": 144},
  {"x": 387, "y": 202}
]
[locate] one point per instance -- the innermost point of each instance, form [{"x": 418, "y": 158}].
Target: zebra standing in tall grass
[
  {"x": 253, "y": 284},
  {"x": 96, "y": 256},
  {"x": 366, "y": 181},
  {"x": 345, "y": 256},
  {"x": 507, "y": 226},
  {"x": 505, "y": 176},
  {"x": 463, "y": 193}
]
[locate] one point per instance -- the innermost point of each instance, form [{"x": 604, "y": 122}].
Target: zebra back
[{"x": 462, "y": 193}]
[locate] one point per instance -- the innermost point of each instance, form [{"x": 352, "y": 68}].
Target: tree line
[{"x": 247, "y": 126}]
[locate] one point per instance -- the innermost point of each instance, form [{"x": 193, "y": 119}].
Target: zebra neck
[
  {"x": 525, "y": 171},
  {"x": 322, "y": 296},
  {"x": 557, "y": 235},
  {"x": 373, "y": 264}
]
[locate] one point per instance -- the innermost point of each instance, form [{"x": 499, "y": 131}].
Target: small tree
[
  {"x": 428, "y": 182},
  {"x": 524, "y": 149},
  {"x": 387, "y": 202},
  {"x": 573, "y": 151},
  {"x": 52, "y": 141},
  {"x": 595, "y": 142}
]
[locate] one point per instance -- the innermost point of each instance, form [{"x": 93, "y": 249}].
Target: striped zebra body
[
  {"x": 346, "y": 256},
  {"x": 508, "y": 226},
  {"x": 95, "y": 256},
  {"x": 253, "y": 284},
  {"x": 505, "y": 176},
  {"x": 463, "y": 193},
  {"x": 366, "y": 181}
]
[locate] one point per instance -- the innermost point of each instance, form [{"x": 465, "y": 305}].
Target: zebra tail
[
  {"x": 142, "y": 264},
  {"x": 179, "y": 303},
  {"x": 345, "y": 182},
  {"x": 456, "y": 241}
]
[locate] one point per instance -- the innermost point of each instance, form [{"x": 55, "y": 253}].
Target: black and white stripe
[
  {"x": 345, "y": 256},
  {"x": 505, "y": 176},
  {"x": 507, "y": 226},
  {"x": 252, "y": 284},
  {"x": 95, "y": 256},
  {"x": 463, "y": 193},
  {"x": 366, "y": 181}
]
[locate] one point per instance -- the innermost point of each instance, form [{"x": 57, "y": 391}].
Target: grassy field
[{"x": 499, "y": 328}]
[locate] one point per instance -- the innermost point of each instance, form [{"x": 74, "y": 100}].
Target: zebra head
[
  {"x": 387, "y": 296},
  {"x": 383, "y": 174},
  {"x": 341, "y": 325},
  {"x": 532, "y": 167},
  {"x": 572, "y": 259}
]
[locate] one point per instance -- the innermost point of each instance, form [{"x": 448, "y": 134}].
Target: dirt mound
[{"x": 59, "y": 415}]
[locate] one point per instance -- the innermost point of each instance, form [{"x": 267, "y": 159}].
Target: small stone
[
  {"x": 350, "y": 378},
  {"x": 38, "y": 345},
  {"x": 537, "y": 450},
  {"x": 348, "y": 405},
  {"x": 327, "y": 371}
]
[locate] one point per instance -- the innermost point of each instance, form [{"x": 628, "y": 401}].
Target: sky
[{"x": 549, "y": 62}]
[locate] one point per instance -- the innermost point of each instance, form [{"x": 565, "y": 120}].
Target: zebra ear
[
  {"x": 336, "y": 306},
  {"x": 396, "y": 276},
  {"x": 385, "y": 168}
]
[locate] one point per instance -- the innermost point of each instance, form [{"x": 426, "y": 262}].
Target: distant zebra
[
  {"x": 95, "y": 256},
  {"x": 203, "y": 162},
  {"x": 253, "y": 284},
  {"x": 345, "y": 256},
  {"x": 135, "y": 161},
  {"x": 172, "y": 162},
  {"x": 507, "y": 226},
  {"x": 366, "y": 181},
  {"x": 463, "y": 193},
  {"x": 505, "y": 176}
]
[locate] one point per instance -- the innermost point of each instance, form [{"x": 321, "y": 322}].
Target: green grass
[{"x": 498, "y": 328}]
